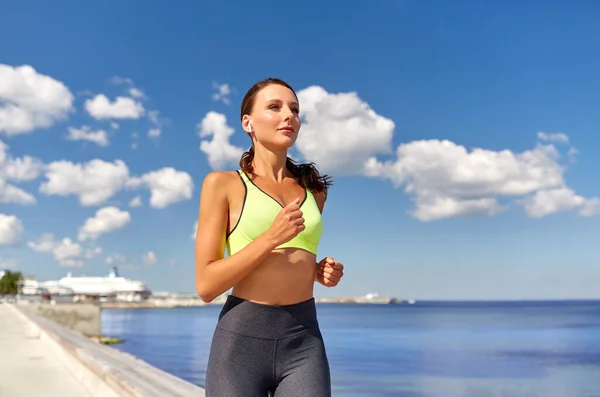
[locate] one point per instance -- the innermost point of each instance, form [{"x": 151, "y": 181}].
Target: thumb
[
  {"x": 295, "y": 202},
  {"x": 330, "y": 260}
]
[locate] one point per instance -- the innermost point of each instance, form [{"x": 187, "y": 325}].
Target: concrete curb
[{"x": 105, "y": 371}]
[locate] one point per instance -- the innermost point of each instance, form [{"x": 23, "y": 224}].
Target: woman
[{"x": 268, "y": 216}]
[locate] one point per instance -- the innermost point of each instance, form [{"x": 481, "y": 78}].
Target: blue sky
[{"x": 463, "y": 137}]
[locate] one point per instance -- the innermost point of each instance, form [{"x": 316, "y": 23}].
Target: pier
[{"x": 41, "y": 357}]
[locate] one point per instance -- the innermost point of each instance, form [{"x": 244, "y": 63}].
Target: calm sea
[{"x": 524, "y": 349}]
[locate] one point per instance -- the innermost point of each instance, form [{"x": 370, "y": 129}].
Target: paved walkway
[{"x": 27, "y": 365}]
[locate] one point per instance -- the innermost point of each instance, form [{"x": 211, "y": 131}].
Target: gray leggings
[{"x": 260, "y": 350}]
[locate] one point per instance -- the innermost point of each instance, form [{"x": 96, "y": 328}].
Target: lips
[{"x": 288, "y": 130}]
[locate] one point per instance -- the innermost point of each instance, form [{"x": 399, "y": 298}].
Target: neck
[{"x": 270, "y": 164}]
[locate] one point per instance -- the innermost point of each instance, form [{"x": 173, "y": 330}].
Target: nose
[{"x": 288, "y": 113}]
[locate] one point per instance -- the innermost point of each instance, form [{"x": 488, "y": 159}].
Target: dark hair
[{"x": 307, "y": 174}]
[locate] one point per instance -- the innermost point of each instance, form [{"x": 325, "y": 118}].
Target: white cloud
[
  {"x": 446, "y": 180},
  {"x": 149, "y": 258},
  {"x": 136, "y": 202},
  {"x": 85, "y": 133},
  {"x": 106, "y": 220},
  {"x": 340, "y": 132},
  {"x": 97, "y": 181},
  {"x": 66, "y": 252},
  {"x": 94, "y": 182},
  {"x": 551, "y": 201},
  {"x": 100, "y": 108},
  {"x": 222, "y": 94},
  {"x": 30, "y": 100},
  {"x": 17, "y": 169},
  {"x": 558, "y": 137},
  {"x": 11, "y": 229},
  {"x": 167, "y": 186},
  {"x": 219, "y": 151}
]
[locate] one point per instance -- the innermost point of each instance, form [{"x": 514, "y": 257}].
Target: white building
[{"x": 111, "y": 287}]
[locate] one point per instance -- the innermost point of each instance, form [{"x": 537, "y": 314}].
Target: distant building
[{"x": 111, "y": 287}]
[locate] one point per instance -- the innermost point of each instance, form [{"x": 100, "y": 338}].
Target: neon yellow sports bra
[{"x": 258, "y": 213}]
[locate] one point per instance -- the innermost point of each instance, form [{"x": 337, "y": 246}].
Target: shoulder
[
  {"x": 218, "y": 177},
  {"x": 219, "y": 182}
]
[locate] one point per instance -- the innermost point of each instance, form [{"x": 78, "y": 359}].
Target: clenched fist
[
  {"x": 288, "y": 223},
  {"x": 329, "y": 272}
]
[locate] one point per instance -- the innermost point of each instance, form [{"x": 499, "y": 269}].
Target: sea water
[{"x": 429, "y": 349}]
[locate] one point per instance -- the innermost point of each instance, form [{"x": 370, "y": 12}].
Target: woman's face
[{"x": 275, "y": 118}]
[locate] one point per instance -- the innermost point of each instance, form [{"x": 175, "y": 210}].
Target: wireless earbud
[{"x": 249, "y": 127}]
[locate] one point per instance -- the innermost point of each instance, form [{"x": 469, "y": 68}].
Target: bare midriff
[{"x": 286, "y": 277}]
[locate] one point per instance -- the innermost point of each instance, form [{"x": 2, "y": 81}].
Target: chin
[{"x": 282, "y": 144}]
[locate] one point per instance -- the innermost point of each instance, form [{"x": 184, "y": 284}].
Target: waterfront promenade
[
  {"x": 40, "y": 357},
  {"x": 28, "y": 365}
]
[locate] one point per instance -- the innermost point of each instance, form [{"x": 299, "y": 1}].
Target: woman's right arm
[{"x": 214, "y": 273}]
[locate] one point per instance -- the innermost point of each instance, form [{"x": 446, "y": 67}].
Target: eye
[
  {"x": 274, "y": 107},
  {"x": 296, "y": 110}
]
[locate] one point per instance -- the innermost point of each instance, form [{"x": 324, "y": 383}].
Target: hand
[
  {"x": 288, "y": 223},
  {"x": 329, "y": 272}
]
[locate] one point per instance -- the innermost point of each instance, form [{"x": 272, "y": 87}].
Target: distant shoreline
[
  {"x": 179, "y": 303},
  {"x": 175, "y": 303}
]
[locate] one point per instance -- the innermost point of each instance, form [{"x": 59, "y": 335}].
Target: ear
[{"x": 246, "y": 125}]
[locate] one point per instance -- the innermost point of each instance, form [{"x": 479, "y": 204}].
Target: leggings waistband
[{"x": 266, "y": 321}]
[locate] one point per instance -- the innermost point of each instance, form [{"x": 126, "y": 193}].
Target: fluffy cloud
[
  {"x": 100, "y": 107},
  {"x": 30, "y": 100},
  {"x": 94, "y": 182},
  {"x": 219, "y": 151},
  {"x": 167, "y": 186},
  {"x": 65, "y": 252},
  {"x": 447, "y": 180},
  {"x": 340, "y": 132},
  {"x": 17, "y": 170},
  {"x": 97, "y": 181},
  {"x": 11, "y": 229},
  {"x": 551, "y": 201},
  {"x": 106, "y": 220},
  {"x": 85, "y": 133}
]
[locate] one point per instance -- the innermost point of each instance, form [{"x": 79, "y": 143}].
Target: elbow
[
  {"x": 204, "y": 292},
  {"x": 206, "y": 298}
]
